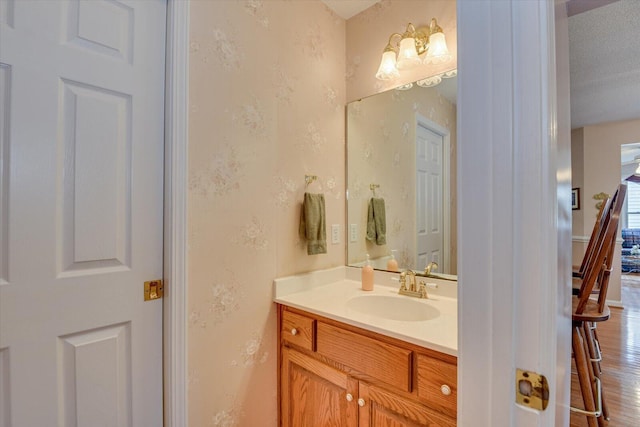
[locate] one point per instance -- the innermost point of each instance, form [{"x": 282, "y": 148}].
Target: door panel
[
  {"x": 102, "y": 27},
  {"x": 88, "y": 393},
  {"x": 82, "y": 141},
  {"x": 97, "y": 146}
]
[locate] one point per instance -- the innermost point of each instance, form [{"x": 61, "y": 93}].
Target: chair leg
[
  {"x": 584, "y": 378},
  {"x": 605, "y": 409},
  {"x": 595, "y": 355},
  {"x": 594, "y": 370}
]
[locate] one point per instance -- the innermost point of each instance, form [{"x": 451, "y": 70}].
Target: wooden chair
[
  {"x": 595, "y": 233},
  {"x": 588, "y": 311}
]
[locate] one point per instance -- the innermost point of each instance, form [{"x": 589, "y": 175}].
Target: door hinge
[
  {"x": 532, "y": 390},
  {"x": 153, "y": 289}
]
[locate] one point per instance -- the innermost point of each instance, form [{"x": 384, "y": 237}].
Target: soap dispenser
[
  {"x": 367, "y": 276},
  {"x": 392, "y": 264}
]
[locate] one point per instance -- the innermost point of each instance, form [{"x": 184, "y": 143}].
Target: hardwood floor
[{"x": 620, "y": 343}]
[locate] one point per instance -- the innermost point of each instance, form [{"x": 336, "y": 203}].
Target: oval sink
[{"x": 393, "y": 308}]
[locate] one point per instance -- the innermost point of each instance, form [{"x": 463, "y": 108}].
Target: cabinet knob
[
  {"x": 361, "y": 402},
  {"x": 294, "y": 331},
  {"x": 349, "y": 397},
  {"x": 445, "y": 389}
]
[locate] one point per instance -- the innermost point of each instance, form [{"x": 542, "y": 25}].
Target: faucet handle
[
  {"x": 422, "y": 289},
  {"x": 431, "y": 266},
  {"x": 403, "y": 281}
]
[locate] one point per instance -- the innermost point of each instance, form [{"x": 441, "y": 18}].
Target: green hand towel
[
  {"x": 312, "y": 224},
  {"x": 377, "y": 222}
]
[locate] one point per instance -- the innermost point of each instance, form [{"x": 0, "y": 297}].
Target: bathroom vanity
[{"x": 345, "y": 361}]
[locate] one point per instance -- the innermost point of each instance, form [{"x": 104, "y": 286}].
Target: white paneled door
[
  {"x": 430, "y": 171},
  {"x": 81, "y": 198}
]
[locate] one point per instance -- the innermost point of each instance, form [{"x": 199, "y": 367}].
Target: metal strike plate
[
  {"x": 153, "y": 289},
  {"x": 532, "y": 390}
]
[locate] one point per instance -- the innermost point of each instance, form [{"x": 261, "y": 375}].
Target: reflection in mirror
[{"x": 401, "y": 171}]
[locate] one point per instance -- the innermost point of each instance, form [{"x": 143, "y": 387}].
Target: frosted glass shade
[
  {"x": 438, "y": 52},
  {"x": 387, "y": 69},
  {"x": 407, "y": 54}
]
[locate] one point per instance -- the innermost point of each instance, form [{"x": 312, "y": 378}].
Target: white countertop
[{"x": 327, "y": 292}]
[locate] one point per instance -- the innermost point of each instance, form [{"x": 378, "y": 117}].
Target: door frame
[
  {"x": 446, "y": 182},
  {"x": 514, "y": 217},
  {"x": 175, "y": 214}
]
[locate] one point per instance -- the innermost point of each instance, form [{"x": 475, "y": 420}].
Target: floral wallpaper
[
  {"x": 269, "y": 80},
  {"x": 267, "y": 95}
]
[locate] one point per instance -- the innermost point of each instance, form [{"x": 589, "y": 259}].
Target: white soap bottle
[
  {"x": 367, "y": 276},
  {"x": 392, "y": 263}
]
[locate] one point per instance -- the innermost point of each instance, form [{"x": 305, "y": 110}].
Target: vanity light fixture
[{"x": 403, "y": 50}]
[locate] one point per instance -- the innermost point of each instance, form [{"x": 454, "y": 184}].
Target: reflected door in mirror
[{"x": 429, "y": 197}]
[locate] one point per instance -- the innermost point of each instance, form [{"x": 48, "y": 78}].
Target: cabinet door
[
  {"x": 314, "y": 394},
  {"x": 379, "y": 407}
]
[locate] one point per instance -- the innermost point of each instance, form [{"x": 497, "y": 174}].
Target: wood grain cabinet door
[
  {"x": 314, "y": 394},
  {"x": 378, "y": 407}
]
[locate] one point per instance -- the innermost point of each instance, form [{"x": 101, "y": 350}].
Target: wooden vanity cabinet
[
  {"x": 333, "y": 374},
  {"x": 314, "y": 394}
]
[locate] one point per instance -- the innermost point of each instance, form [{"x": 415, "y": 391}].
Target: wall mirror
[{"x": 401, "y": 148}]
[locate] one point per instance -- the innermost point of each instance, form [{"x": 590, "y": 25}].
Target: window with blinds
[{"x": 633, "y": 205}]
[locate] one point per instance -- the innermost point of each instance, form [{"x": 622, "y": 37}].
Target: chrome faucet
[{"x": 420, "y": 292}]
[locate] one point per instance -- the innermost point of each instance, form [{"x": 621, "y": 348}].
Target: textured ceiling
[{"x": 604, "y": 55}]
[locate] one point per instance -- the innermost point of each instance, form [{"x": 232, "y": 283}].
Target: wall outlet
[
  {"x": 335, "y": 234},
  {"x": 353, "y": 233}
]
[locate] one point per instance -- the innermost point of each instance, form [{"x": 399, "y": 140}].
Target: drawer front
[
  {"x": 437, "y": 383},
  {"x": 382, "y": 361},
  {"x": 298, "y": 330}
]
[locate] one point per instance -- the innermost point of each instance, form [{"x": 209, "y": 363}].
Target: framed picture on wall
[{"x": 575, "y": 199}]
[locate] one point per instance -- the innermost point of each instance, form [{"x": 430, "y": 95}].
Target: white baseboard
[
  {"x": 615, "y": 303},
  {"x": 585, "y": 239}
]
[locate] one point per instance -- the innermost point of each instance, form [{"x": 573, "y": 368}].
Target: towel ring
[{"x": 308, "y": 179}]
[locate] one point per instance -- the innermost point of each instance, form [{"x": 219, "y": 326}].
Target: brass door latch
[
  {"x": 153, "y": 289},
  {"x": 532, "y": 390}
]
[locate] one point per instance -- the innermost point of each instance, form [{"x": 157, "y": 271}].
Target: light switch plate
[
  {"x": 353, "y": 233},
  {"x": 335, "y": 234}
]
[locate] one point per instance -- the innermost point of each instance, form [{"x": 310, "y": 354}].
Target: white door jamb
[{"x": 175, "y": 219}]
